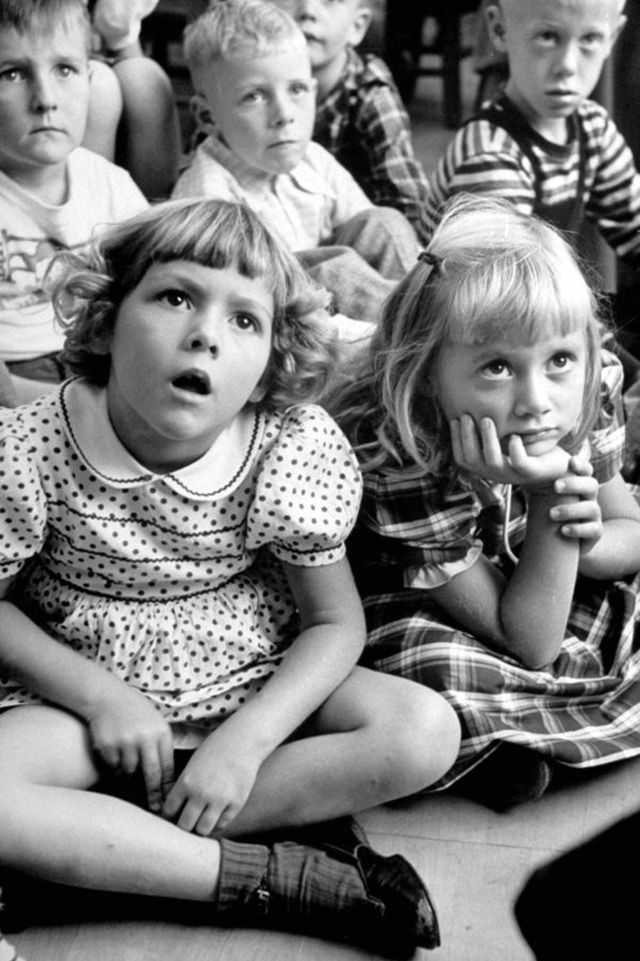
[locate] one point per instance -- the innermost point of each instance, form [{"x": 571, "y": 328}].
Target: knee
[
  {"x": 426, "y": 732},
  {"x": 105, "y": 93},
  {"x": 146, "y": 88}
]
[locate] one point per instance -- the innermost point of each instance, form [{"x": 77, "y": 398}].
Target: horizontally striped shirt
[{"x": 484, "y": 158}]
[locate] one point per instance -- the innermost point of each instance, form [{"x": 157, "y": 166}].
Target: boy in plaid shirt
[{"x": 360, "y": 117}]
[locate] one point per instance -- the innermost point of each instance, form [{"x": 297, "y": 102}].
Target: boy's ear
[
  {"x": 359, "y": 26},
  {"x": 201, "y": 110},
  {"x": 496, "y": 27}
]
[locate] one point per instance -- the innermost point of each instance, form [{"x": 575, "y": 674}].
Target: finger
[
  {"x": 190, "y": 815},
  {"x": 227, "y": 817},
  {"x": 456, "y": 441},
  {"x": 587, "y": 532},
  {"x": 129, "y": 758},
  {"x": 109, "y": 754},
  {"x": 212, "y": 820},
  {"x": 471, "y": 449},
  {"x": 152, "y": 774},
  {"x": 578, "y": 512},
  {"x": 580, "y": 465},
  {"x": 173, "y": 801},
  {"x": 586, "y": 487},
  {"x": 518, "y": 456},
  {"x": 166, "y": 764},
  {"x": 491, "y": 449}
]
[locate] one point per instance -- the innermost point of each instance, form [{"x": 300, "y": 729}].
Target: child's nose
[
  {"x": 203, "y": 338},
  {"x": 306, "y": 9},
  {"x": 282, "y": 111},
  {"x": 532, "y": 396},
  {"x": 43, "y": 93},
  {"x": 568, "y": 58}
]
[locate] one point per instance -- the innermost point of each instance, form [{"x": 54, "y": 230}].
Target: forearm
[
  {"x": 49, "y": 668},
  {"x": 535, "y": 605},
  {"x": 616, "y": 553},
  {"x": 320, "y": 658}
]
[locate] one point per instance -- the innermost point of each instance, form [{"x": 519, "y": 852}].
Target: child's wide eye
[
  {"x": 497, "y": 369},
  {"x": 562, "y": 360},
  {"x": 244, "y": 321},
  {"x": 546, "y": 38},
  {"x": 591, "y": 41},
  {"x": 67, "y": 69},
  {"x": 253, "y": 96},
  {"x": 12, "y": 74},
  {"x": 174, "y": 298},
  {"x": 299, "y": 89}
]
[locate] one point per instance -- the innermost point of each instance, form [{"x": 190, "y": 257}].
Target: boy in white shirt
[
  {"x": 250, "y": 62},
  {"x": 53, "y": 193}
]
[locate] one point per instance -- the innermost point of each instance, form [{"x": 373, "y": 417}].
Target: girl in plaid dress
[{"x": 498, "y": 547}]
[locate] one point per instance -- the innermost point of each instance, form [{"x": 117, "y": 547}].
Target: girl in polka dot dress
[{"x": 174, "y": 577}]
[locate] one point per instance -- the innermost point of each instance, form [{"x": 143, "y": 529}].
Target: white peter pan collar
[{"x": 217, "y": 473}]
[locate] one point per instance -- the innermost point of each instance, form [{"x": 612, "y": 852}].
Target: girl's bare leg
[
  {"x": 149, "y": 138},
  {"x": 105, "y": 110},
  {"x": 53, "y": 827},
  {"x": 377, "y": 738}
]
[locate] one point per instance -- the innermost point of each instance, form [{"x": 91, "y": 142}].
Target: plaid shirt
[{"x": 363, "y": 123}]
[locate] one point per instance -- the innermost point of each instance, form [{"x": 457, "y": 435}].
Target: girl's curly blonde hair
[{"x": 213, "y": 233}]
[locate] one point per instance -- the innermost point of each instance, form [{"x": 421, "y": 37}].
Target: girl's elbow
[{"x": 538, "y": 653}]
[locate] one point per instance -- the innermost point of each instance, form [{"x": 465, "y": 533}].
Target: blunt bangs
[
  {"x": 517, "y": 298},
  {"x": 213, "y": 233}
]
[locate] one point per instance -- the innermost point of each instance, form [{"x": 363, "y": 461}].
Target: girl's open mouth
[{"x": 194, "y": 382}]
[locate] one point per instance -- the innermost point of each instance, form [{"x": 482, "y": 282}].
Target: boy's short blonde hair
[
  {"x": 26, "y": 15},
  {"x": 237, "y": 27}
]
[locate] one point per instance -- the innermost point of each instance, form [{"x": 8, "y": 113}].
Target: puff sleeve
[
  {"x": 418, "y": 524},
  {"x": 308, "y": 491},
  {"x": 22, "y": 504}
]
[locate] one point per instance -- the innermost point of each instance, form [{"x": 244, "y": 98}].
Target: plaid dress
[{"x": 415, "y": 533}]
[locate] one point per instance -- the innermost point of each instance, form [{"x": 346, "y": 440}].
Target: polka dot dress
[{"x": 172, "y": 582}]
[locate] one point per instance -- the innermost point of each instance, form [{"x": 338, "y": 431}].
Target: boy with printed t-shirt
[{"x": 53, "y": 193}]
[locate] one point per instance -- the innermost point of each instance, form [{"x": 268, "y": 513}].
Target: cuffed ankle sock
[
  {"x": 391, "y": 879},
  {"x": 298, "y": 888}
]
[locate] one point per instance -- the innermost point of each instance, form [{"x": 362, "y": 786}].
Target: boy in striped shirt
[{"x": 543, "y": 143}]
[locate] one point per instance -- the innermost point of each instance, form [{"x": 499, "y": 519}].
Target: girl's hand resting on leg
[
  {"x": 581, "y": 519},
  {"x": 128, "y": 733},
  {"x": 477, "y": 448},
  {"x": 214, "y": 786}
]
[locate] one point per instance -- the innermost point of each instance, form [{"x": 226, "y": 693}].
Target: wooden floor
[{"x": 473, "y": 860}]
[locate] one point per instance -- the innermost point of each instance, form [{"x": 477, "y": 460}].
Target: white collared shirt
[{"x": 303, "y": 208}]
